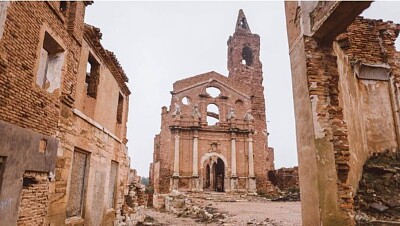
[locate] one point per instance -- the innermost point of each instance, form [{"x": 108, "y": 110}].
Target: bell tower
[
  {"x": 245, "y": 67},
  {"x": 243, "y": 53}
]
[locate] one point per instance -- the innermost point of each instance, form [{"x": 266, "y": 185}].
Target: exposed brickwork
[
  {"x": 71, "y": 119},
  {"x": 22, "y": 102},
  {"x": 346, "y": 91},
  {"x": 34, "y": 199},
  {"x": 235, "y": 149},
  {"x": 370, "y": 42},
  {"x": 285, "y": 178},
  {"x": 323, "y": 85}
]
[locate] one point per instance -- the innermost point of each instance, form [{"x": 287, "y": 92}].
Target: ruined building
[
  {"x": 346, "y": 85},
  {"x": 63, "y": 114},
  {"x": 214, "y": 136}
]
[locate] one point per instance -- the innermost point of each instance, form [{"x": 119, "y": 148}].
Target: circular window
[{"x": 186, "y": 101}]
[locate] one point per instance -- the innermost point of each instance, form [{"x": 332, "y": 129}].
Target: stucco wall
[{"x": 20, "y": 146}]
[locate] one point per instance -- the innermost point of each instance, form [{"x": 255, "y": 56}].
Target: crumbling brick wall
[
  {"x": 54, "y": 107},
  {"x": 34, "y": 199},
  {"x": 22, "y": 102},
  {"x": 367, "y": 47},
  {"x": 188, "y": 144},
  {"x": 346, "y": 101},
  {"x": 285, "y": 178}
]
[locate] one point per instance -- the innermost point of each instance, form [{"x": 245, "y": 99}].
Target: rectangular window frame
[
  {"x": 51, "y": 68},
  {"x": 92, "y": 78}
]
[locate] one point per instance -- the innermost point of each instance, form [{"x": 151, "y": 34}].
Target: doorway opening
[{"x": 215, "y": 175}]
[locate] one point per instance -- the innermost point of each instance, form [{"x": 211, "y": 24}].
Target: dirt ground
[{"x": 254, "y": 212}]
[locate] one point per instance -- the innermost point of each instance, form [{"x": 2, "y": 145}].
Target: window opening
[
  {"x": 63, "y": 6},
  {"x": 50, "y": 65},
  {"x": 247, "y": 56},
  {"x": 212, "y": 114},
  {"x": 92, "y": 76},
  {"x": 243, "y": 23},
  {"x": 213, "y": 92},
  {"x": 120, "y": 108},
  {"x": 186, "y": 100}
]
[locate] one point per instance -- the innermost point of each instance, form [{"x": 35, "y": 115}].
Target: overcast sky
[{"x": 158, "y": 43}]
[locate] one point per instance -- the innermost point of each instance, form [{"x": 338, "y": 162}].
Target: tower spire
[{"x": 241, "y": 23}]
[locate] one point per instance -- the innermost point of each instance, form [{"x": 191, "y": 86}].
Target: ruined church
[{"x": 214, "y": 134}]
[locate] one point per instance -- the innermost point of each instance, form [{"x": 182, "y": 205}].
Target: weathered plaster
[{"x": 3, "y": 15}]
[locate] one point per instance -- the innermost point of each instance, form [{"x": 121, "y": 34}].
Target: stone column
[
  {"x": 251, "y": 158},
  {"x": 195, "y": 155},
  {"x": 176, "y": 156},
  {"x": 234, "y": 178},
  {"x": 233, "y": 157},
  {"x": 195, "y": 175},
  {"x": 252, "y": 180}
]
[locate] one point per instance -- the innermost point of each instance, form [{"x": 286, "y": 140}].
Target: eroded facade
[
  {"x": 214, "y": 135},
  {"x": 345, "y": 72},
  {"x": 63, "y": 113}
]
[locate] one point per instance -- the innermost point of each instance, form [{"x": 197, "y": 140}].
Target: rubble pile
[
  {"x": 266, "y": 222},
  {"x": 286, "y": 181},
  {"x": 135, "y": 203},
  {"x": 181, "y": 205},
  {"x": 378, "y": 196},
  {"x": 287, "y": 196}
]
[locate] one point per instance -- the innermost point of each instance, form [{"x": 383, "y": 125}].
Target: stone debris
[
  {"x": 202, "y": 207},
  {"x": 182, "y": 205},
  {"x": 286, "y": 182},
  {"x": 287, "y": 197},
  {"x": 267, "y": 221},
  {"x": 135, "y": 204},
  {"x": 378, "y": 195}
]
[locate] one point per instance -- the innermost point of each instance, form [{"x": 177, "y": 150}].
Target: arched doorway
[
  {"x": 213, "y": 168},
  {"x": 219, "y": 176},
  {"x": 208, "y": 171}
]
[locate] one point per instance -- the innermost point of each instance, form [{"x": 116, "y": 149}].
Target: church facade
[{"x": 214, "y": 134}]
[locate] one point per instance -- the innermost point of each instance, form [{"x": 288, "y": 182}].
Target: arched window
[
  {"x": 247, "y": 56},
  {"x": 213, "y": 92},
  {"x": 212, "y": 114}
]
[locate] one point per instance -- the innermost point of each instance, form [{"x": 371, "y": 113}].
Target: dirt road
[{"x": 254, "y": 212}]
